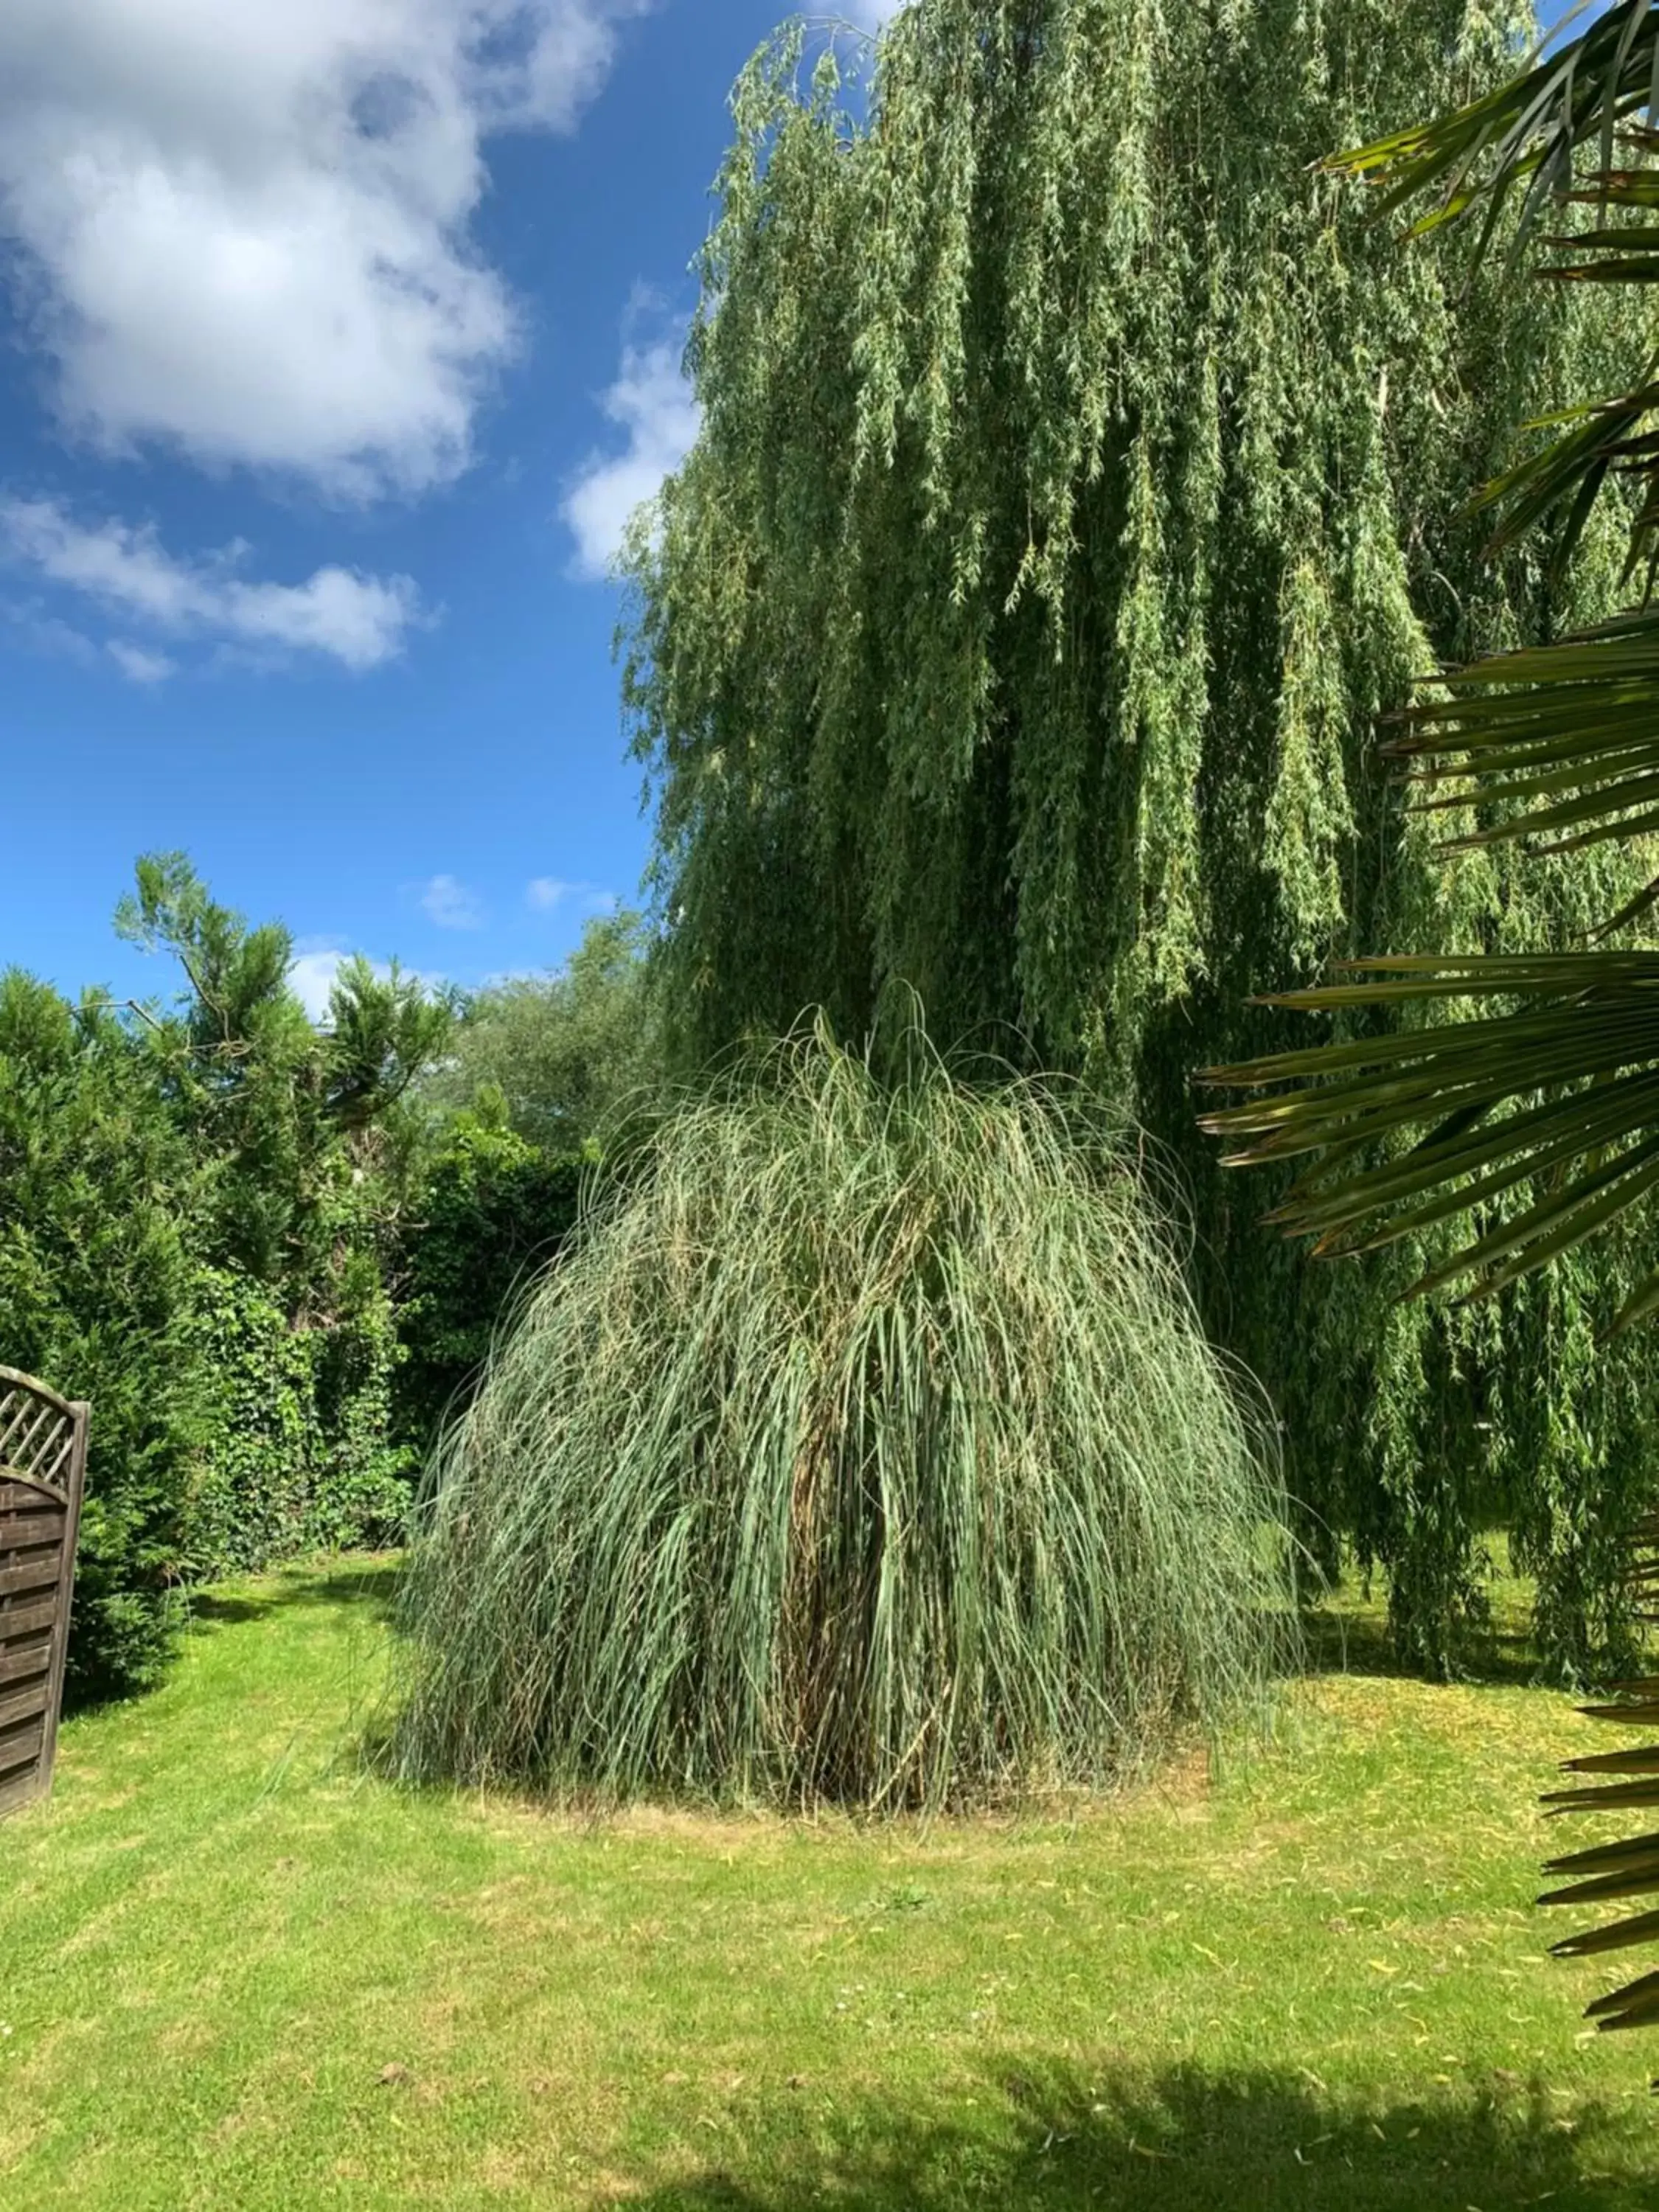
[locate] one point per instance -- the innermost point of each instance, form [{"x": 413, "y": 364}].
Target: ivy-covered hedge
[
  {"x": 95, "y": 1299},
  {"x": 294, "y": 1455},
  {"x": 493, "y": 1211}
]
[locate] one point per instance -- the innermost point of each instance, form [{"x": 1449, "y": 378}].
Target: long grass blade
[{"x": 865, "y": 1445}]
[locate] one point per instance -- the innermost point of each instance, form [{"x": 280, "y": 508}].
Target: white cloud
[
  {"x": 547, "y": 893},
  {"x": 313, "y": 976},
  {"x": 313, "y": 972},
  {"x": 651, "y": 401},
  {"x": 357, "y": 620},
  {"x": 446, "y": 901},
  {"x": 244, "y": 230},
  {"x": 137, "y": 664}
]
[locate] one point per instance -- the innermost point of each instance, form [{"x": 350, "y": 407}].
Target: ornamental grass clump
[{"x": 863, "y": 1446}]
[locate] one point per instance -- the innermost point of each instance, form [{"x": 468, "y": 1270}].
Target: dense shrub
[
  {"x": 493, "y": 1208},
  {"x": 304, "y": 1152},
  {"x": 198, "y": 1211},
  {"x": 295, "y": 1455},
  {"x": 96, "y": 1283},
  {"x": 864, "y": 1443}
]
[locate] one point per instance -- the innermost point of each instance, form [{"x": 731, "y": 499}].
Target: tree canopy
[
  {"x": 1080, "y": 474},
  {"x": 562, "y": 1053}
]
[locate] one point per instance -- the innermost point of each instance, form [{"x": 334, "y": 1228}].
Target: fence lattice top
[{"x": 37, "y": 1433}]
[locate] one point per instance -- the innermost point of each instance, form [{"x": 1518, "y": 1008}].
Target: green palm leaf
[
  {"x": 1540, "y": 1117},
  {"x": 1524, "y": 133},
  {"x": 1524, "y": 139},
  {"x": 1628, "y": 1870},
  {"x": 1556, "y": 1100}
]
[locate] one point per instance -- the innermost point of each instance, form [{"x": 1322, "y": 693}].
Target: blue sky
[{"x": 339, "y": 337}]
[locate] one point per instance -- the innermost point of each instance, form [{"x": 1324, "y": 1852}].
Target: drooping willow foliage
[
  {"x": 865, "y": 1444},
  {"x": 1080, "y": 475}
]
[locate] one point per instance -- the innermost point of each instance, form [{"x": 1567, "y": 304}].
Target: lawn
[{"x": 235, "y": 1973}]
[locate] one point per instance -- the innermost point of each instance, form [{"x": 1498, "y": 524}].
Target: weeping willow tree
[
  {"x": 1080, "y": 475},
  {"x": 864, "y": 1444},
  {"x": 1526, "y": 1123}
]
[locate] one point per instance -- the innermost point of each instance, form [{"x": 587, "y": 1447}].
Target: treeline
[{"x": 271, "y": 1251}]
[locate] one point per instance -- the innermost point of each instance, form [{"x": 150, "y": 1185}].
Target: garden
[{"x": 743, "y": 1574}]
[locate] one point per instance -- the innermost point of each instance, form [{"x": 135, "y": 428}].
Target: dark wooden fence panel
[{"x": 43, "y": 1465}]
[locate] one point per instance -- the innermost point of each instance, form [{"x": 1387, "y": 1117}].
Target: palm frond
[
  {"x": 1524, "y": 134},
  {"x": 1618, "y": 1872},
  {"x": 1562, "y": 740},
  {"x": 1524, "y": 138},
  {"x": 1545, "y": 1114}
]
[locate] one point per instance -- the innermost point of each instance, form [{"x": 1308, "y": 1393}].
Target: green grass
[{"x": 233, "y": 1974}]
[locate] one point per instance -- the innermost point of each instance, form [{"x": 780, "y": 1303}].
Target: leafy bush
[
  {"x": 196, "y": 1206},
  {"x": 493, "y": 1208},
  {"x": 295, "y": 1456},
  {"x": 95, "y": 1282},
  {"x": 303, "y": 1150},
  {"x": 864, "y": 1444},
  {"x": 563, "y": 1052}
]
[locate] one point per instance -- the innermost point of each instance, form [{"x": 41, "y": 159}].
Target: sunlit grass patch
[{"x": 239, "y": 1972}]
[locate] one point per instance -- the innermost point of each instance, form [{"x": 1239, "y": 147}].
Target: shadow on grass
[
  {"x": 1345, "y": 1630},
  {"x": 1187, "y": 2139},
  {"x": 1339, "y": 1641},
  {"x": 370, "y": 1583}
]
